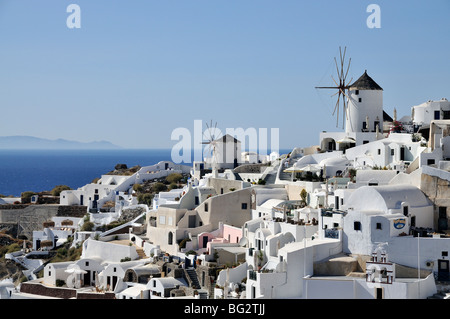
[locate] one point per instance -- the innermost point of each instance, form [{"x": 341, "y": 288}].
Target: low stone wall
[
  {"x": 87, "y": 295},
  {"x": 39, "y": 289},
  {"x": 72, "y": 211}
]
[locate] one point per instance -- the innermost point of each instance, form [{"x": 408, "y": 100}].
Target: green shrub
[
  {"x": 174, "y": 178},
  {"x": 159, "y": 187},
  {"x": 87, "y": 226},
  {"x": 145, "y": 198},
  {"x": 60, "y": 282},
  {"x": 56, "y": 191}
]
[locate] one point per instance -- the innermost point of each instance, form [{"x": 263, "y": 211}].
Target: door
[
  {"x": 87, "y": 278},
  {"x": 442, "y": 221},
  {"x": 94, "y": 204},
  {"x": 379, "y": 293},
  {"x": 114, "y": 281},
  {"x": 191, "y": 221},
  {"x": 205, "y": 241}
]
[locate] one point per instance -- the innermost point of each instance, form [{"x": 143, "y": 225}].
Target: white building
[
  {"x": 424, "y": 113},
  {"x": 226, "y": 153},
  {"x": 379, "y": 213},
  {"x": 363, "y": 118}
]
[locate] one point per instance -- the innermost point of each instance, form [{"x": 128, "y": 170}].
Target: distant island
[{"x": 31, "y": 142}]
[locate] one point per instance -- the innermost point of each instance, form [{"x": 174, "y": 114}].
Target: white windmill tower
[
  {"x": 211, "y": 134},
  {"x": 342, "y": 87},
  {"x": 360, "y": 102}
]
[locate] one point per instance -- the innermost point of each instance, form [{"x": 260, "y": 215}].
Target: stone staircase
[
  {"x": 193, "y": 277},
  {"x": 140, "y": 252}
]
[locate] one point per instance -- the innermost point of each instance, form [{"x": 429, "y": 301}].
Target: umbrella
[
  {"x": 347, "y": 140},
  {"x": 75, "y": 269},
  {"x": 292, "y": 170},
  {"x": 310, "y": 168}
]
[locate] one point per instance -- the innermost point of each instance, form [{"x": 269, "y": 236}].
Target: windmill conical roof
[{"x": 365, "y": 82}]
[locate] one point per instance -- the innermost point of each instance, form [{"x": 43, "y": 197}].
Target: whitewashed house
[
  {"x": 159, "y": 288},
  {"x": 379, "y": 213},
  {"x": 424, "y": 113}
]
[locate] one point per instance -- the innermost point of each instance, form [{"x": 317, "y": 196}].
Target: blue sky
[{"x": 136, "y": 70}]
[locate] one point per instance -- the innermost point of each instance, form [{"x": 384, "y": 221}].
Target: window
[
  {"x": 437, "y": 115},
  {"x": 430, "y": 161},
  {"x": 392, "y": 152},
  {"x": 356, "y": 92},
  {"x": 162, "y": 220},
  {"x": 379, "y": 151},
  {"x": 375, "y": 124},
  {"x": 244, "y": 205},
  {"x": 114, "y": 269},
  {"x": 378, "y": 225},
  {"x": 359, "y": 100},
  {"x": 335, "y": 225},
  {"x": 154, "y": 283},
  {"x": 87, "y": 263},
  {"x": 357, "y": 225},
  {"x": 444, "y": 253},
  {"x": 206, "y": 207},
  {"x": 365, "y": 142},
  {"x": 405, "y": 210}
]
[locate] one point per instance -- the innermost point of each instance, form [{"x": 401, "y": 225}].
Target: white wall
[{"x": 107, "y": 251}]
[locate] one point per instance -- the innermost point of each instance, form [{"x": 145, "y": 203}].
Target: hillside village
[{"x": 362, "y": 215}]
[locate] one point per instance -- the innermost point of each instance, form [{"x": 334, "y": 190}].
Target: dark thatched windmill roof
[{"x": 365, "y": 82}]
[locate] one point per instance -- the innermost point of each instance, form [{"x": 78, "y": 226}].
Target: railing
[
  {"x": 252, "y": 274},
  {"x": 441, "y": 276},
  {"x": 332, "y": 233}
]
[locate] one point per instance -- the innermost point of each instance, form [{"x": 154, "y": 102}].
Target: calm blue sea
[{"x": 41, "y": 170}]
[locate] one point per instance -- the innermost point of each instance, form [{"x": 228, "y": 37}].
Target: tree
[{"x": 304, "y": 195}]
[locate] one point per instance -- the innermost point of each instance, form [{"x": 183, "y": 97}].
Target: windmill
[
  {"x": 341, "y": 86},
  {"x": 211, "y": 136}
]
